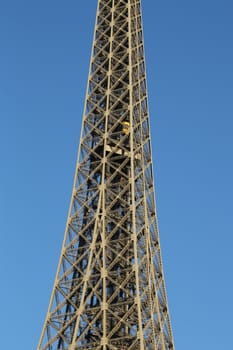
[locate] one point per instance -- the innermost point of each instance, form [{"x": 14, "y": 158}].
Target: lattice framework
[{"x": 109, "y": 290}]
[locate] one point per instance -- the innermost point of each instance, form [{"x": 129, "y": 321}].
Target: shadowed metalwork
[{"x": 109, "y": 289}]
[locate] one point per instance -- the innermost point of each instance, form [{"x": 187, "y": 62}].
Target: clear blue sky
[{"x": 44, "y": 58}]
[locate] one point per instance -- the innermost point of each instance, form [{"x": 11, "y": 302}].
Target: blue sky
[{"x": 44, "y": 57}]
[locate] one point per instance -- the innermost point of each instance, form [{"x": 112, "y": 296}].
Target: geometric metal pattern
[{"x": 109, "y": 290}]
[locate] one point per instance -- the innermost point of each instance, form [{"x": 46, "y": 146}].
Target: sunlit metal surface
[{"x": 109, "y": 289}]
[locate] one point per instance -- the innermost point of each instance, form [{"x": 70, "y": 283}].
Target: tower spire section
[{"x": 109, "y": 291}]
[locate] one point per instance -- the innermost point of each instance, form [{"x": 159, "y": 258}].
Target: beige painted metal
[{"x": 109, "y": 290}]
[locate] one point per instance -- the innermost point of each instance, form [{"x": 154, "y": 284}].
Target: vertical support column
[
  {"x": 138, "y": 300},
  {"x": 104, "y": 273}
]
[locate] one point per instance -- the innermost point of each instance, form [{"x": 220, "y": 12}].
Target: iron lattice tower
[{"x": 109, "y": 290}]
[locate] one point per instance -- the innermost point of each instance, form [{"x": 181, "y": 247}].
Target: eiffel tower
[{"x": 109, "y": 291}]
